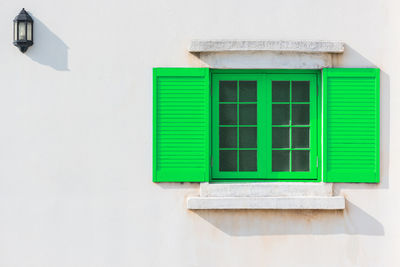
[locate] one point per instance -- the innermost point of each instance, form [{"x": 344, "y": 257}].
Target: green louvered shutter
[
  {"x": 351, "y": 125},
  {"x": 181, "y": 125}
]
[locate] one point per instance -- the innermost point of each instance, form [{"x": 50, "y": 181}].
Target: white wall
[{"x": 75, "y": 138}]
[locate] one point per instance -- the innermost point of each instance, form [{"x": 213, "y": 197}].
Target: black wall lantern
[{"x": 23, "y": 31}]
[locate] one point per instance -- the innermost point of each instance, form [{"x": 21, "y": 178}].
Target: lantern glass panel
[
  {"x": 21, "y": 31},
  {"x": 15, "y": 31},
  {"x": 29, "y": 31}
]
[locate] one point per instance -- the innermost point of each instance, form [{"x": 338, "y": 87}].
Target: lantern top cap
[{"x": 23, "y": 16}]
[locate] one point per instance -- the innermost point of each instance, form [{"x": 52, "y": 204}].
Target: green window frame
[
  {"x": 217, "y": 127},
  {"x": 311, "y": 126},
  {"x": 263, "y": 149}
]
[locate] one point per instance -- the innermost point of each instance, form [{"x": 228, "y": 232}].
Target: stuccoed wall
[{"x": 76, "y": 138}]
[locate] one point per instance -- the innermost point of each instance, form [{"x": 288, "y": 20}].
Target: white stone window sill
[
  {"x": 299, "y": 46},
  {"x": 266, "y": 196}
]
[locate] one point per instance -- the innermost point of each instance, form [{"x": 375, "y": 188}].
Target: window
[{"x": 265, "y": 125}]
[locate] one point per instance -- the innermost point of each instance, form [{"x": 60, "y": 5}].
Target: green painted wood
[
  {"x": 181, "y": 124},
  {"x": 265, "y": 71},
  {"x": 351, "y": 125},
  {"x": 264, "y": 125}
]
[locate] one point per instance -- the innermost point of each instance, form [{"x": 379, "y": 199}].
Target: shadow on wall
[
  {"x": 351, "y": 221},
  {"x": 352, "y": 59},
  {"x": 385, "y": 130},
  {"x": 48, "y": 49},
  {"x": 349, "y": 59}
]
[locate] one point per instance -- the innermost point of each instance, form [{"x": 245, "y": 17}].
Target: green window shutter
[
  {"x": 351, "y": 125},
  {"x": 181, "y": 125}
]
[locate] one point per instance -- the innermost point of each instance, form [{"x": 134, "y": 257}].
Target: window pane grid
[
  {"x": 241, "y": 102},
  {"x": 245, "y": 148},
  {"x": 277, "y": 126},
  {"x": 284, "y": 105},
  {"x": 289, "y": 148},
  {"x": 238, "y": 104},
  {"x": 238, "y": 124},
  {"x": 237, "y": 128},
  {"x": 290, "y": 126},
  {"x": 291, "y": 102}
]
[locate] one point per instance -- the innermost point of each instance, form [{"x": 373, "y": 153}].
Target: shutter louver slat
[
  {"x": 351, "y": 125},
  {"x": 181, "y": 125}
]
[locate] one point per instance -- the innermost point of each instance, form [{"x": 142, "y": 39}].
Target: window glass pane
[
  {"x": 300, "y": 160},
  {"x": 300, "y": 91},
  {"x": 248, "y": 137},
  {"x": 227, "y": 91},
  {"x": 300, "y": 114},
  {"x": 280, "y": 160},
  {"x": 248, "y": 160},
  {"x": 228, "y": 137},
  {"x": 228, "y": 160},
  {"x": 280, "y": 114},
  {"x": 300, "y": 137},
  {"x": 280, "y": 91},
  {"x": 280, "y": 137},
  {"x": 227, "y": 114},
  {"x": 248, "y": 114},
  {"x": 247, "y": 91}
]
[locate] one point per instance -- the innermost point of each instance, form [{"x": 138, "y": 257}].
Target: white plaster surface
[
  {"x": 301, "y": 46},
  {"x": 76, "y": 138},
  {"x": 277, "y": 203}
]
